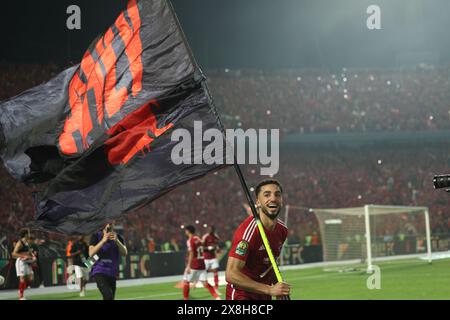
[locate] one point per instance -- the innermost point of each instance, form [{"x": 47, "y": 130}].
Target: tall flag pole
[
  {"x": 99, "y": 133},
  {"x": 238, "y": 171},
  {"x": 251, "y": 203}
]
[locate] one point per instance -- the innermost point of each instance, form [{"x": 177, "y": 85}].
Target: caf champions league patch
[{"x": 241, "y": 248}]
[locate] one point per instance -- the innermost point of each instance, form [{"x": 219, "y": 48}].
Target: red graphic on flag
[
  {"x": 133, "y": 134},
  {"x": 92, "y": 90}
]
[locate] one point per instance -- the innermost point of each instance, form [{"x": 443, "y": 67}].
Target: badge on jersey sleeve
[{"x": 242, "y": 248}]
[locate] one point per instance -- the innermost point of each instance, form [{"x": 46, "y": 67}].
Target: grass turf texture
[{"x": 401, "y": 279}]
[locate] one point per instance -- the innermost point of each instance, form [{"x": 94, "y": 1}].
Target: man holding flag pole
[
  {"x": 100, "y": 135},
  {"x": 250, "y": 269}
]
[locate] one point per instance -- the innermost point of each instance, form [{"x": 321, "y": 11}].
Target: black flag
[{"x": 100, "y": 132}]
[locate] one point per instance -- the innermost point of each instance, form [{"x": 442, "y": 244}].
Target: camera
[
  {"x": 90, "y": 261},
  {"x": 441, "y": 181}
]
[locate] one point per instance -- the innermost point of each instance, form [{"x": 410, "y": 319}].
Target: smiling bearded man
[{"x": 249, "y": 273}]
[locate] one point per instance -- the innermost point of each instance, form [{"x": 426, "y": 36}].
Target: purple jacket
[{"x": 109, "y": 256}]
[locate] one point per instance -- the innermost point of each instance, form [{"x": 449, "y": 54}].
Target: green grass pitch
[{"x": 401, "y": 279}]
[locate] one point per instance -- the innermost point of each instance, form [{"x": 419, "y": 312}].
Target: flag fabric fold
[{"x": 99, "y": 133}]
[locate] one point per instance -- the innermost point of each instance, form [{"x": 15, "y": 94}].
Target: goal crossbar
[{"x": 373, "y": 210}]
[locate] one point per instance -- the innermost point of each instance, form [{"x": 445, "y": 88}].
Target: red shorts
[{"x": 234, "y": 293}]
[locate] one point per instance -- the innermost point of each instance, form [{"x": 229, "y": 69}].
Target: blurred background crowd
[{"x": 302, "y": 102}]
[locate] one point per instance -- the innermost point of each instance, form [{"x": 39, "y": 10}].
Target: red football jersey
[
  {"x": 195, "y": 245},
  {"x": 249, "y": 247},
  {"x": 210, "y": 244}
]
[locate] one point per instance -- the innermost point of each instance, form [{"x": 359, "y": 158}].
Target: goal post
[
  {"x": 364, "y": 234},
  {"x": 372, "y": 231},
  {"x": 368, "y": 238}
]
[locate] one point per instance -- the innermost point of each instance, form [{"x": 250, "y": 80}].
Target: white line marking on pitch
[{"x": 156, "y": 295}]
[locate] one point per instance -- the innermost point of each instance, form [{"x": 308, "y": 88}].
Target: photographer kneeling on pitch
[{"x": 108, "y": 246}]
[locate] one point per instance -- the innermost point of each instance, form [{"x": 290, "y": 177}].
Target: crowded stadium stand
[
  {"x": 345, "y": 103},
  {"x": 305, "y": 102},
  {"x": 355, "y": 100}
]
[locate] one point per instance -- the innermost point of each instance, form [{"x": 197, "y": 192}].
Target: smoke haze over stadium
[{"x": 363, "y": 116}]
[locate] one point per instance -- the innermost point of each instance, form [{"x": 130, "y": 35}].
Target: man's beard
[{"x": 271, "y": 216}]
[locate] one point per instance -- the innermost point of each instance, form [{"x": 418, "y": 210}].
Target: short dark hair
[
  {"x": 266, "y": 182},
  {"x": 190, "y": 228},
  {"x": 24, "y": 233}
]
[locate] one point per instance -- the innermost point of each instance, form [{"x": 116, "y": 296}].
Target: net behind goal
[{"x": 373, "y": 231}]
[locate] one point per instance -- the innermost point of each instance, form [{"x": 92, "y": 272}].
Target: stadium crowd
[
  {"x": 298, "y": 102},
  {"x": 349, "y": 101},
  {"x": 306, "y": 101},
  {"x": 315, "y": 179}
]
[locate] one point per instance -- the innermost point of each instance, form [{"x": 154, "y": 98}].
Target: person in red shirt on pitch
[
  {"x": 210, "y": 244},
  {"x": 249, "y": 273},
  {"x": 195, "y": 268},
  {"x": 25, "y": 257}
]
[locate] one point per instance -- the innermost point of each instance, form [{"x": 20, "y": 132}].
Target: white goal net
[{"x": 373, "y": 231}]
